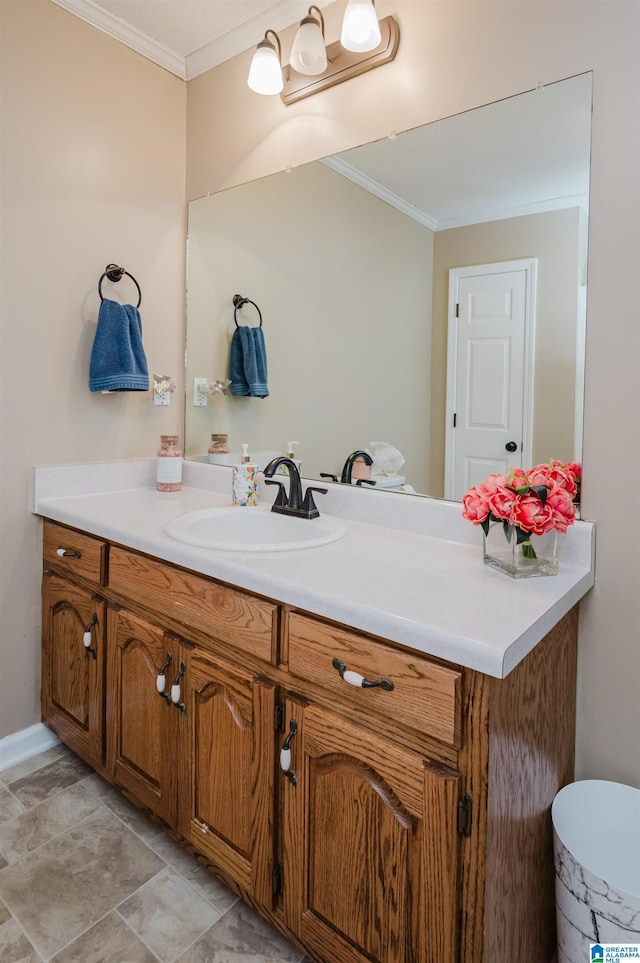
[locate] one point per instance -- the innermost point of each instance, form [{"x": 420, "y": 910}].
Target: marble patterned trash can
[{"x": 596, "y": 841}]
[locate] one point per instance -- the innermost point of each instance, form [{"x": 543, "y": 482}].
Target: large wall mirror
[{"x": 351, "y": 259}]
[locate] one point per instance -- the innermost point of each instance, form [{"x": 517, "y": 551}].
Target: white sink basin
[{"x": 253, "y": 529}]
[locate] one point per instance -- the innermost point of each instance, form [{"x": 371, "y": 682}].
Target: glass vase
[{"x": 536, "y": 555}]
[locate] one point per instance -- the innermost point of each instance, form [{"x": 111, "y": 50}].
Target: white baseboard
[{"x": 22, "y": 745}]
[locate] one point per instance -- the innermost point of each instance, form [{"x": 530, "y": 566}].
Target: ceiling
[
  {"x": 188, "y": 37},
  {"x": 524, "y": 155}
]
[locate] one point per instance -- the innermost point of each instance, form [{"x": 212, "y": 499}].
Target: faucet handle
[
  {"x": 326, "y": 474},
  {"x": 281, "y": 497},
  {"x": 309, "y": 507},
  {"x": 366, "y": 481}
]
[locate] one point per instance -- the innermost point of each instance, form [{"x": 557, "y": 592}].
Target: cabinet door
[
  {"x": 143, "y": 722},
  {"x": 73, "y": 666},
  {"x": 231, "y": 802},
  {"x": 371, "y": 845}
]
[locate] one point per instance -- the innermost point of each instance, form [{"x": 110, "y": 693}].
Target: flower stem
[{"x": 528, "y": 551}]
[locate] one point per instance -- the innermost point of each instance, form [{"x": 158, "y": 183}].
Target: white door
[{"x": 489, "y": 371}]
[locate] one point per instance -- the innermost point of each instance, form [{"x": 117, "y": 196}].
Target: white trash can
[{"x": 596, "y": 843}]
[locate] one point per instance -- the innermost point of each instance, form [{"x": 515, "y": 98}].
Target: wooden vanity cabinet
[
  {"x": 73, "y": 660},
  {"x": 371, "y": 838},
  {"x": 145, "y": 727},
  {"x": 202, "y": 759},
  {"x": 402, "y": 823},
  {"x": 73, "y": 632},
  {"x": 370, "y": 845},
  {"x": 191, "y": 738},
  {"x": 228, "y": 806}
]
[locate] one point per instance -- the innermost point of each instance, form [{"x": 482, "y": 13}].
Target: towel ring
[
  {"x": 115, "y": 273},
  {"x": 239, "y": 302}
]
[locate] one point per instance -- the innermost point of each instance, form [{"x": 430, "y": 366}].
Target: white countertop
[{"x": 387, "y": 576}]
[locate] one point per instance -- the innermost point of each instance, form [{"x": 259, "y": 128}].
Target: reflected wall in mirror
[{"x": 349, "y": 260}]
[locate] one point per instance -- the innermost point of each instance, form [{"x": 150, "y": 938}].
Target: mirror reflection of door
[{"x": 489, "y": 372}]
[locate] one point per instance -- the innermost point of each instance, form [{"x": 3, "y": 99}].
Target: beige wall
[
  {"x": 452, "y": 57},
  {"x": 346, "y": 318},
  {"x": 93, "y": 163},
  {"x": 555, "y": 240},
  {"x": 86, "y": 184}
]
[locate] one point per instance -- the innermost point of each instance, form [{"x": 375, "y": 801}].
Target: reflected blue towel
[
  {"x": 118, "y": 362},
  {"x": 248, "y": 363}
]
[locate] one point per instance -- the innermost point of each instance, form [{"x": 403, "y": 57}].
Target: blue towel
[
  {"x": 118, "y": 362},
  {"x": 248, "y": 363}
]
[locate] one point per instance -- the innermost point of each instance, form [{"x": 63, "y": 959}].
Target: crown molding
[
  {"x": 498, "y": 214},
  {"x": 282, "y": 15},
  {"x": 95, "y": 15},
  {"x": 371, "y": 185},
  {"x": 502, "y": 214}
]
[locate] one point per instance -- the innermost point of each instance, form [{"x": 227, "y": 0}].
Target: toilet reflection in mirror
[{"x": 350, "y": 259}]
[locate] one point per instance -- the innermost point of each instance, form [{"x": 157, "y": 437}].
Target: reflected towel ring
[
  {"x": 115, "y": 273},
  {"x": 239, "y": 302}
]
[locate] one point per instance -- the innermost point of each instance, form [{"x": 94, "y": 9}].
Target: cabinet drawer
[
  {"x": 425, "y": 696},
  {"x": 196, "y": 602},
  {"x": 72, "y": 552}
]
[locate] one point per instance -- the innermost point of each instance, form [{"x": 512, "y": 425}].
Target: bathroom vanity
[{"x": 405, "y": 821}]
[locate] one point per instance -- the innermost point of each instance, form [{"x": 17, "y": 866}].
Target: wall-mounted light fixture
[
  {"x": 308, "y": 54},
  {"x": 360, "y": 28},
  {"x": 365, "y": 43},
  {"x": 265, "y": 73}
]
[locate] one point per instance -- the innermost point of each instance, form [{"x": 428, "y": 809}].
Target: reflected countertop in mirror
[{"x": 349, "y": 259}]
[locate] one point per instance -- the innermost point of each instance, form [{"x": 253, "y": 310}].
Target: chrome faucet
[
  {"x": 345, "y": 478},
  {"x": 295, "y": 504}
]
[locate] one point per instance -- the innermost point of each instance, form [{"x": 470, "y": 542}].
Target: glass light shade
[
  {"x": 308, "y": 54},
  {"x": 265, "y": 73},
  {"x": 360, "y": 27}
]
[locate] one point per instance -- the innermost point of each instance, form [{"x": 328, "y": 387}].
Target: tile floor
[{"x": 86, "y": 878}]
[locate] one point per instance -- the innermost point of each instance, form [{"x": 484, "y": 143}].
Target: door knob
[{"x": 511, "y": 446}]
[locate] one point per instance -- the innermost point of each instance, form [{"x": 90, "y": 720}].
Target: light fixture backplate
[{"x": 342, "y": 65}]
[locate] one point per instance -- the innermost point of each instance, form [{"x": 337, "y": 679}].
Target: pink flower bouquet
[{"x": 530, "y": 502}]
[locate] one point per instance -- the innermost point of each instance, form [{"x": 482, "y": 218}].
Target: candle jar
[
  {"x": 219, "y": 444},
  {"x": 360, "y": 470},
  {"x": 169, "y": 465}
]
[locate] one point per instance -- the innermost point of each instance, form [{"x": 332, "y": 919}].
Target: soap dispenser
[
  {"x": 283, "y": 469},
  {"x": 291, "y": 454},
  {"x": 244, "y": 483}
]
